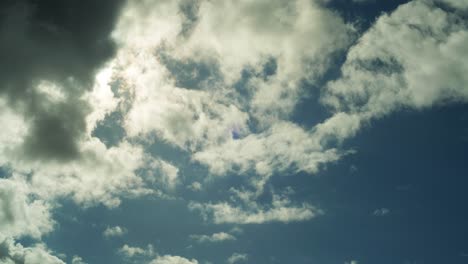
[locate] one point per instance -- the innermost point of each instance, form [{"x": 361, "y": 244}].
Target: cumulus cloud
[
  {"x": 11, "y": 252},
  {"x": 195, "y": 186},
  {"x": 216, "y": 237},
  {"x": 114, "y": 231},
  {"x": 77, "y": 260},
  {"x": 21, "y": 215},
  {"x": 101, "y": 176},
  {"x": 420, "y": 65},
  {"x": 219, "y": 86},
  {"x": 168, "y": 259},
  {"x": 179, "y": 83},
  {"x": 209, "y": 117},
  {"x": 237, "y": 258},
  {"x": 130, "y": 251}
]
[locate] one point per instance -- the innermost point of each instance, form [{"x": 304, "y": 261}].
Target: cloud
[
  {"x": 103, "y": 175},
  {"x": 143, "y": 256},
  {"x": 195, "y": 186},
  {"x": 168, "y": 259},
  {"x": 179, "y": 84},
  {"x": 206, "y": 118},
  {"x": 50, "y": 56},
  {"x": 421, "y": 65},
  {"x": 279, "y": 148},
  {"x": 237, "y": 258},
  {"x": 77, "y": 260},
  {"x": 216, "y": 237},
  {"x": 381, "y": 212},
  {"x": 164, "y": 173},
  {"x": 130, "y": 252},
  {"x": 281, "y": 210},
  {"x": 11, "y": 252},
  {"x": 21, "y": 215},
  {"x": 352, "y": 262},
  {"x": 114, "y": 231},
  {"x": 462, "y": 4}
]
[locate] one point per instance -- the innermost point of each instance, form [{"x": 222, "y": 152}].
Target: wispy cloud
[
  {"x": 216, "y": 237},
  {"x": 237, "y": 258}
]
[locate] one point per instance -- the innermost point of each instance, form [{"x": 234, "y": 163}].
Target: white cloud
[
  {"x": 352, "y": 262},
  {"x": 414, "y": 57},
  {"x": 211, "y": 122},
  {"x": 77, "y": 260},
  {"x": 216, "y": 237},
  {"x": 130, "y": 251},
  {"x": 281, "y": 210},
  {"x": 20, "y": 214},
  {"x": 114, "y": 231},
  {"x": 195, "y": 186},
  {"x": 237, "y": 258},
  {"x": 164, "y": 173},
  {"x": 14, "y": 130},
  {"x": 282, "y": 146},
  {"x": 198, "y": 120},
  {"x": 12, "y": 253},
  {"x": 102, "y": 175},
  {"x": 168, "y": 259}
]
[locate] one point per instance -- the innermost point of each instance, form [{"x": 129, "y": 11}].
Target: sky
[{"x": 249, "y": 131}]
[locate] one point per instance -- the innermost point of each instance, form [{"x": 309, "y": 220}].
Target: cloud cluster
[
  {"x": 412, "y": 58},
  {"x": 181, "y": 84},
  {"x": 12, "y": 253},
  {"x": 20, "y": 215},
  {"x": 218, "y": 86}
]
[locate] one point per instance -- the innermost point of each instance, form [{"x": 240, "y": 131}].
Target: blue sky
[{"x": 197, "y": 132}]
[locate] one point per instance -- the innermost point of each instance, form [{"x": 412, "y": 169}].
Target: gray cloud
[{"x": 50, "y": 52}]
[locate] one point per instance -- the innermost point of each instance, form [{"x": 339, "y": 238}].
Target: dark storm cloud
[{"x": 61, "y": 42}]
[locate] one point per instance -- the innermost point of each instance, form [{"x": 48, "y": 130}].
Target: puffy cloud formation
[
  {"x": 414, "y": 57},
  {"x": 220, "y": 87},
  {"x": 77, "y": 260},
  {"x": 114, "y": 231},
  {"x": 12, "y": 253},
  {"x": 130, "y": 252},
  {"x": 20, "y": 215},
  {"x": 168, "y": 259}
]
